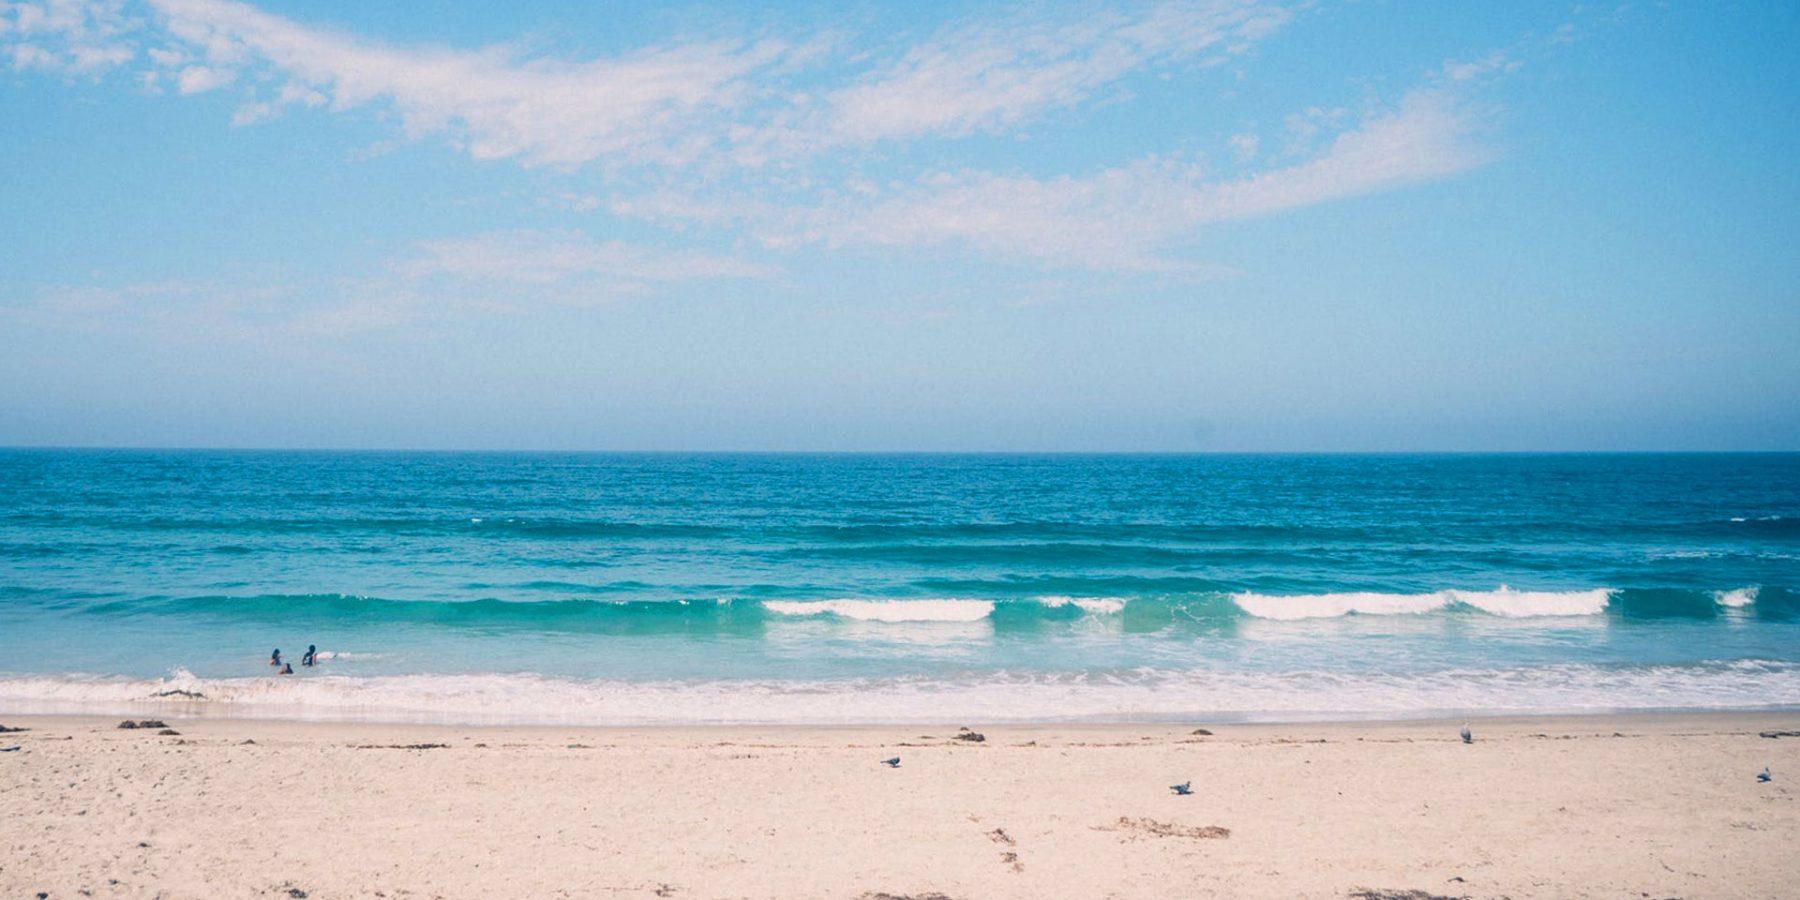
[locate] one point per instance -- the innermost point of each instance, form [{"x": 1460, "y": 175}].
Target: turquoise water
[{"x": 663, "y": 587}]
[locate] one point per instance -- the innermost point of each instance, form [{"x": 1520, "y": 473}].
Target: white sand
[{"x": 1551, "y": 807}]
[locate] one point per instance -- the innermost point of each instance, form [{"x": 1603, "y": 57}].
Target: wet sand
[{"x": 1615, "y": 806}]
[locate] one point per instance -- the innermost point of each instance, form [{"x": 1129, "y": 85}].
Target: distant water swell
[
  {"x": 1140, "y": 612},
  {"x": 1118, "y": 696}
]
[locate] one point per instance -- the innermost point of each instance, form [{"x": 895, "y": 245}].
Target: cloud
[
  {"x": 1244, "y": 146},
  {"x": 491, "y": 273},
  {"x": 734, "y": 100},
  {"x": 989, "y": 75},
  {"x": 641, "y": 107},
  {"x": 200, "y": 79},
  {"x": 540, "y": 257},
  {"x": 1120, "y": 218},
  {"x": 67, "y": 37},
  {"x": 1494, "y": 63},
  {"x": 666, "y": 124}
]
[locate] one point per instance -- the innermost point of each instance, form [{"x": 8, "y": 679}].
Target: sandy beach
[{"x": 1622, "y": 806}]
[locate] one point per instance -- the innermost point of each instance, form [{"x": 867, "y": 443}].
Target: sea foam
[
  {"x": 1097, "y": 605},
  {"x": 1143, "y": 694},
  {"x": 1501, "y": 602},
  {"x": 1738, "y": 598},
  {"x": 886, "y": 610},
  {"x": 931, "y": 610}
]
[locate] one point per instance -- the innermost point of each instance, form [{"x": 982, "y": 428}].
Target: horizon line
[{"x": 147, "y": 448}]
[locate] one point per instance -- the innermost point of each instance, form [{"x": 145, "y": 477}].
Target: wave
[
  {"x": 1736, "y": 599},
  {"x": 1002, "y": 607},
  {"x": 940, "y": 610},
  {"x": 886, "y": 610},
  {"x": 1502, "y": 602},
  {"x": 1101, "y": 605},
  {"x": 1126, "y": 695}
]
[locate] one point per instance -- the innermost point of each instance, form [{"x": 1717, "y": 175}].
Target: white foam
[
  {"x": 1127, "y": 695},
  {"x": 1738, "y": 598},
  {"x": 886, "y": 610},
  {"x": 1520, "y": 604},
  {"x": 1096, "y": 605},
  {"x": 1502, "y": 602},
  {"x": 1331, "y": 606}
]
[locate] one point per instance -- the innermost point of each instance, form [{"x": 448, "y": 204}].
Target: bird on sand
[
  {"x": 1467, "y": 736},
  {"x": 1183, "y": 789},
  {"x": 892, "y": 763},
  {"x": 1764, "y": 775}
]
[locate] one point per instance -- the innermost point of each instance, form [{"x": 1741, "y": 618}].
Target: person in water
[
  {"x": 286, "y": 669},
  {"x": 312, "y": 655},
  {"x": 275, "y": 658}
]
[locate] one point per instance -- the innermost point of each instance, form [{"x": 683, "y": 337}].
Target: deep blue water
[{"x": 637, "y": 587}]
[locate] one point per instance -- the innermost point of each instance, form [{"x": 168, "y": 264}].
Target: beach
[{"x": 1581, "y": 806}]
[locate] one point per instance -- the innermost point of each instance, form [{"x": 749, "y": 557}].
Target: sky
[{"x": 1338, "y": 225}]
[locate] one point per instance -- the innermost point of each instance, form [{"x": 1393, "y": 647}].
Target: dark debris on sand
[
  {"x": 144, "y": 723},
  {"x": 6, "y": 730},
  {"x": 1376, "y": 894},
  {"x": 1132, "y": 826},
  {"x": 402, "y": 746},
  {"x": 884, "y": 895},
  {"x": 1778, "y": 734},
  {"x": 970, "y": 735},
  {"x": 168, "y": 731}
]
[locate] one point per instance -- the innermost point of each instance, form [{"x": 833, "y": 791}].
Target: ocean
[{"x": 702, "y": 588}]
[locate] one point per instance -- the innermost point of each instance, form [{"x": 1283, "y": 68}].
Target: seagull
[
  {"x": 1764, "y": 775},
  {"x": 892, "y": 763},
  {"x": 1467, "y": 736},
  {"x": 1183, "y": 789}
]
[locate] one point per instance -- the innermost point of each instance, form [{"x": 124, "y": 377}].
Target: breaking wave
[
  {"x": 1152, "y": 608},
  {"x": 886, "y": 610},
  {"x": 1502, "y": 602}
]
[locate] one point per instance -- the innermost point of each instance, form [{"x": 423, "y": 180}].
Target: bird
[
  {"x": 1764, "y": 775},
  {"x": 1183, "y": 789},
  {"x": 892, "y": 763},
  {"x": 1467, "y": 736}
]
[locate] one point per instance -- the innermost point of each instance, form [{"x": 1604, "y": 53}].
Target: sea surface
[{"x": 651, "y": 588}]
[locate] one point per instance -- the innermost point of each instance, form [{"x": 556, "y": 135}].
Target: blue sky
[{"x": 1162, "y": 226}]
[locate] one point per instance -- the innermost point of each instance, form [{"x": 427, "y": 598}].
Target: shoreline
[
  {"x": 1723, "y": 719},
  {"x": 1658, "y": 804}
]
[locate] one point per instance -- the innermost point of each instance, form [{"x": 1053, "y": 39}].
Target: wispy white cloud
[
  {"x": 200, "y": 79},
  {"x": 482, "y": 274},
  {"x": 1120, "y": 218},
  {"x": 661, "y": 111},
  {"x": 1495, "y": 63},
  {"x": 668, "y": 105},
  {"x": 539, "y": 257},
  {"x": 644, "y": 106},
  {"x": 1244, "y": 146},
  {"x": 987, "y": 75},
  {"x": 67, "y": 37}
]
